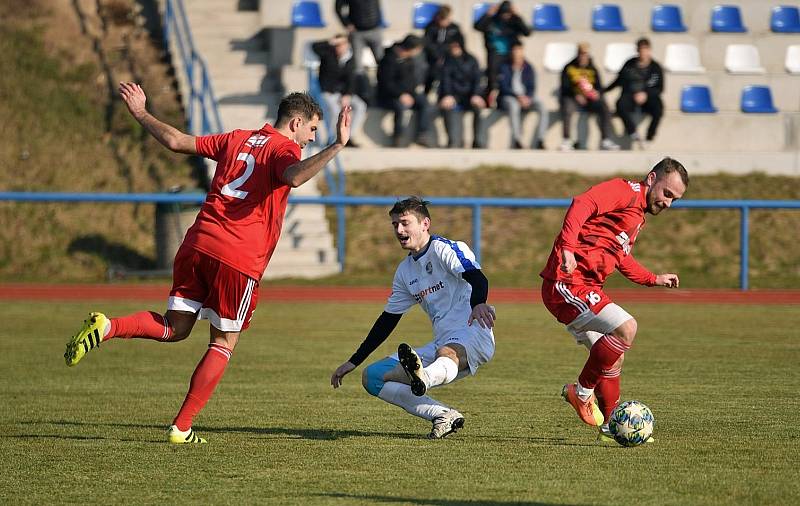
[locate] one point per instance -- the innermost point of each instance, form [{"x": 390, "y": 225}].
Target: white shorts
[
  {"x": 478, "y": 343},
  {"x": 589, "y": 327}
]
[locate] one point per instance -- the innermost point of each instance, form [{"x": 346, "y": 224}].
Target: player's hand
[
  {"x": 133, "y": 96},
  {"x": 669, "y": 280},
  {"x": 483, "y": 314},
  {"x": 568, "y": 262},
  {"x": 343, "y": 125},
  {"x": 341, "y": 372}
]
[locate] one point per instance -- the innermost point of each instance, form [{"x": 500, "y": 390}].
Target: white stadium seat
[
  {"x": 743, "y": 59},
  {"x": 683, "y": 59},
  {"x": 558, "y": 54},
  {"x": 793, "y": 59},
  {"x": 617, "y": 53}
]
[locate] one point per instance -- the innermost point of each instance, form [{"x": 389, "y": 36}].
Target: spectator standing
[
  {"x": 397, "y": 89},
  {"x": 642, "y": 82},
  {"x": 502, "y": 27},
  {"x": 581, "y": 89},
  {"x": 460, "y": 90},
  {"x": 438, "y": 34},
  {"x": 517, "y": 95},
  {"x": 337, "y": 79},
  {"x": 363, "y": 21}
]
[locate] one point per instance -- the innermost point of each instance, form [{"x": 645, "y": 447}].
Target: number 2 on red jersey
[{"x": 232, "y": 189}]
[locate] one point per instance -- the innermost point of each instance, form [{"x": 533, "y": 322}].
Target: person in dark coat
[
  {"x": 642, "y": 82},
  {"x": 397, "y": 89},
  {"x": 438, "y": 34},
  {"x": 460, "y": 90},
  {"x": 364, "y": 23}
]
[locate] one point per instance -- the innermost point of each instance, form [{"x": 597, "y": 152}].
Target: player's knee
[
  {"x": 627, "y": 331},
  {"x": 372, "y": 377},
  {"x": 179, "y": 334}
]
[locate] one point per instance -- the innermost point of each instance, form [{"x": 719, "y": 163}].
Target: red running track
[{"x": 19, "y": 291}]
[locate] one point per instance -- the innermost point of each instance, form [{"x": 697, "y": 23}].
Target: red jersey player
[
  {"x": 223, "y": 256},
  {"x": 598, "y": 234}
]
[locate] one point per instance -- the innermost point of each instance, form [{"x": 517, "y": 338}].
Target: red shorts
[
  {"x": 220, "y": 293},
  {"x": 567, "y": 302}
]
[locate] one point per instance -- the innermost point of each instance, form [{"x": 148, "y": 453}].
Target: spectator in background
[
  {"x": 337, "y": 79},
  {"x": 397, "y": 89},
  {"x": 438, "y": 34},
  {"x": 642, "y": 83},
  {"x": 363, "y": 21},
  {"x": 502, "y": 27},
  {"x": 517, "y": 89},
  {"x": 460, "y": 90},
  {"x": 581, "y": 88}
]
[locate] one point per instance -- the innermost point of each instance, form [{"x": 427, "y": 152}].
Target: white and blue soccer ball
[{"x": 631, "y": 423}]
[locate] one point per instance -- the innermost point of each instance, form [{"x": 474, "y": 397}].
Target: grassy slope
[
  {"x": 723, "y": 397},
  {"x": 55, "y": 136},
  {"x": 703, "y": 246}
]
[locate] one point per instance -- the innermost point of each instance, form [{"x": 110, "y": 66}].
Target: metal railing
[
  {"x": 476, "y": 204},
  {"x": 201, "y": 99}
]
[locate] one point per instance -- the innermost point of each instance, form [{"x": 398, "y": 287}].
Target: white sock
[
  {"x": 107, "y": 327},
  {"x": 441, "y": 372},
  {"x": 400, "y": 395},
  {"x": 583, "y": 392}
]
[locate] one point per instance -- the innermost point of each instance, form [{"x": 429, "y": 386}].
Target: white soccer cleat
[
  {"x": 447, "y": 423},
  {"x": 179, "y": 437}
]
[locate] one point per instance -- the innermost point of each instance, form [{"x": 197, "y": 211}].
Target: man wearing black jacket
[
  {"x": 642, "y": 83},
  {"x": 397, "y": 89},
  {"x": 363, "y": 21},
  {"x": 337, "y": 80},
  {"x": 445, "y": 279},
  {"x": 438, "y": 34},
  {"x": 460, "y": 90},
  {"x": 502, "y": 27}
]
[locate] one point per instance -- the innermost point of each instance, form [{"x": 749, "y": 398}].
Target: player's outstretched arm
[
  {"x": 341, "y": 372},
  {"x": 669, "y": 280},
  {"x": 172, "y": 138},
  {"x": 380, "y": 330},
  {"x": 300, "y": 172}
]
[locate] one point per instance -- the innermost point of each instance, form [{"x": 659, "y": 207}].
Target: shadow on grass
[
  {"x": 111, "y": 252},
  {"x": 433, "y": 502}
]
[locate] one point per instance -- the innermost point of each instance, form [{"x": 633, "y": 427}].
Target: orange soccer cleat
[{"x": 587, "y": 410}]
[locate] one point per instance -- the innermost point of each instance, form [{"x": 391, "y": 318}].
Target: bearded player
[
  {"x": 598, "y": 234},
  {"x": 223, "y": 256}
]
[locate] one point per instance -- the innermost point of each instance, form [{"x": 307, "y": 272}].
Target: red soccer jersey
[
  {"x": 600, "y": 227},
  {"x": 240, "y": 221}
]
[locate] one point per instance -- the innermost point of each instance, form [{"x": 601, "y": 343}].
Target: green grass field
[{"x": 721, "y": 381}]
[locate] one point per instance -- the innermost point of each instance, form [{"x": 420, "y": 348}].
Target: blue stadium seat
[
  {"x": 757, "y": 99},
  {"x": 785, "y": 19},
  {"x": 478, "y": 10},
  {"x": 727, "y": 18},
  {"x": 607, "y": 18},
  {"x": 547, "y": 18},
  {"x": 424, "y": 13},
  {"x": 667, "y": 18},
  {"x": 307, "y": 14},
  {"x": 696, "y": 98}
]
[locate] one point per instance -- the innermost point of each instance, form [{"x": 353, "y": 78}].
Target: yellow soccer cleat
[
  {"x": 178, "y": 437},
  {"x": 88, "y": 338}
]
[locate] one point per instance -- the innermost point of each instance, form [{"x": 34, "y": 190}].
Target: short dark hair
[
  {"x": 668, "y": 165},
  {"x": 295, "y": 104},
  {"x": 410, "y": 42},
  {"x": 414, "y": 205},
  {"x": 644, "y": 41}
]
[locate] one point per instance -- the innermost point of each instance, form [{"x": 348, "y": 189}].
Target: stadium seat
[
  {"x": 478, "y": 10},
  {"x": 696, "y": 99},
  {"x": 307, "y": 14},
  {"x": 558, "y": 54},
  {"x": 310, "y": 58},
  {"x": 727, "y": 18},
  {"x": 667, "y": 18},
  {"x": 607, "y": 18},
  {"x": 757, "y": 99},
  {"x": 793, "y": 59},
  {"x": 743, "y": 59},
  {"x": 424, "y": 13},
  {"x": 617, "y": 53},
  {"x": 785, "y": 19},
  {"x": 683, "y": 58},
  {"x": 548, "y": 18}
]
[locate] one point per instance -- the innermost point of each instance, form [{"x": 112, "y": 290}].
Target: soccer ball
[{"x": 631, "y": 423}]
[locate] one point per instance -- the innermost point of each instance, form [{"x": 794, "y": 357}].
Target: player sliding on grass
[
  {"x": 223, "y": 256},
  {"x": 444, "y": 278},
  {"x": 598, "y": 234}
]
